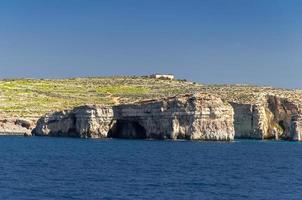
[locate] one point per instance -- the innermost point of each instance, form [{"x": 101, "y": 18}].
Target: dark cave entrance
[
  {"x": 127, "y": 129},
  {"x": 282, "y": 125}
]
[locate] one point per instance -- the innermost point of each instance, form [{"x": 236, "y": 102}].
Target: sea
[{"x": 41, "y": 168}]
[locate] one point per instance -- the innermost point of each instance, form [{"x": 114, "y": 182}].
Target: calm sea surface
[{"x": 64, "y": 168}]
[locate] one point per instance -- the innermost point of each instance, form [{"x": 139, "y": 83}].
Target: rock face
[
  {"x": 15, "y": 126},
  {"x": 83, "y": 121},
  {"x": 271, "y": 117},
  {"x": 296, "y": 128},
  {"x": 199, "y": 117},
  {"x": 246, "y": 121}
]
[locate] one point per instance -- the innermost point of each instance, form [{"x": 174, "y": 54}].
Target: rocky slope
[
  {"x": 198, "y": 117},
  {"x": 16, "y": 126}
]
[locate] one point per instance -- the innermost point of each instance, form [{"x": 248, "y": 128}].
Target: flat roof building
[{"x": 162, "y": 76}]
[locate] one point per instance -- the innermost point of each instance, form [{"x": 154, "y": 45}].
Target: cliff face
[
  {"x": 246, "y": 121},
  {"x": 83, "y": 121},
  {"x": 199, "y": 116},
  {"x": 296, "y": 128},
  {"x": 271, "y": 117}
]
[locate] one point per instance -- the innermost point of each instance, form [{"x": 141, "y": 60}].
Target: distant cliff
[
  {"x": 259, "y": 112},
  {"x": 270, "y": 117},
  {"x": 197, "y": 117}
]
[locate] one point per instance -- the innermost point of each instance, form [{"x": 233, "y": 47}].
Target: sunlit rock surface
[
  {"x": 16, "y": 126},
  {"x": 83, "y": 121},
  {"x": 196, "y": 116},
  {"x": 271, "y": 117}
]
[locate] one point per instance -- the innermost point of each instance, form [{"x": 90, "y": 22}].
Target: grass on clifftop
[{"x": 31, "y": 98}]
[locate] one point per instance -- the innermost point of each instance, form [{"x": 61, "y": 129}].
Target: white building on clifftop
[{"x": 162, "y": 76}]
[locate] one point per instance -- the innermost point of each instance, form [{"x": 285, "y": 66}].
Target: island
[{"x": 148, "y": 108}]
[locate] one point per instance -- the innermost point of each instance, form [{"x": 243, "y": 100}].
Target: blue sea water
[{"x": 65, "y": 168}]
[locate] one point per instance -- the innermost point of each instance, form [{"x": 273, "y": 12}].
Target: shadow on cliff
[{"x": 127, "y": 129}]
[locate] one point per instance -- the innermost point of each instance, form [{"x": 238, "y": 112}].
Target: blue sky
[{"x": 215, "y": 41}]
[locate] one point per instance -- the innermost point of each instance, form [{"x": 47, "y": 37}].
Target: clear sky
[{"x": 214, "y": 41}]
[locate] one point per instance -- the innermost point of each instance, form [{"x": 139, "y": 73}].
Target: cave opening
[
  {"x": 127, "y": 129},
  {"x": 282, "y": 125}
]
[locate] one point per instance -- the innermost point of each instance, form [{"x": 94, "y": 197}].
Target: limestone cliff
[
  {"x": 84, "y": 121},
  {"x": 199, "y": 117},
  {"x": 270, "y": 117}
]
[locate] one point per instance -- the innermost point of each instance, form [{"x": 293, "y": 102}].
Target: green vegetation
[
  {"x": 32, "y": 98},
  {"x": 123, "y": 90}
]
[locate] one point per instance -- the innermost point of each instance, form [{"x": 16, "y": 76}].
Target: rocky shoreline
[
  {"x": 99, "y": 107},
  {"x": 199, "y": 116},
  {"x": 15, "y": 126}
]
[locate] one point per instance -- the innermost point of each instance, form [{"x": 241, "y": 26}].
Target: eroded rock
[
  {"x": 15, "y": 126},
  {"x": 199, "y": 117},
  {"x": 271, "y": 117},
  {"x": 84, "y": 121}
]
